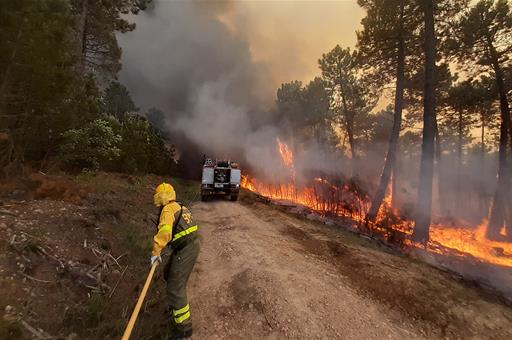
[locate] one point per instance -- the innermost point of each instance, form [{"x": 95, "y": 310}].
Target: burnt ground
[{"x": 73, "y": 262}]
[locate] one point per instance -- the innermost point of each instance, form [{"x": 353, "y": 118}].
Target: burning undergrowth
[
  {"x": 326, "y": 194},
  {"x": 347, "y": 198}
]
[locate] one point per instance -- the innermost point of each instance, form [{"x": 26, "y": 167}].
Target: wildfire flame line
[{"x": 326, "y": 198}]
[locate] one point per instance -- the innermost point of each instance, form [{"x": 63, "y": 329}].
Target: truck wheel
[{"x": 234, "y": 197}]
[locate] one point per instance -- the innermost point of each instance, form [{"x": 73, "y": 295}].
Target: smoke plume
[{"x": 213, "y": 67}]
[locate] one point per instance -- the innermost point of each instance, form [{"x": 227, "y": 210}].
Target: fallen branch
[
  {"x": 36, "y": 333},
  {"x": 35, "y": 279},
  {"x": 44, "y": 252},
  {"x": 90, "y": 277},
  {"x": 7, "y": 212},
  {"x": 113, "y": 258},
  {"x": 97, "y": 253},
  {"x": 92, "y": 269},
  {"x": 119, "y": 257},
  {"x": 13, "y": 242},
  {"x": 119, "y": 280},
  {"x": 31, "y": 236},
  {"x": 96, "y": 289}
]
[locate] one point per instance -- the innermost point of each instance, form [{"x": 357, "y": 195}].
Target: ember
[{"x": 349, "y": 201}]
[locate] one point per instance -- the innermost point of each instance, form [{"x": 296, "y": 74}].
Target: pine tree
[
  {"x": 482, "y": 37},
  {"x": 41, "y": 95},
  {"x": 349, "y": 94},
  {"x": 388, "y": 37},
  {"x": 97, "y": 22},
  {"x": 424, "y": 204},
  {"x": 117, "y": 100}
]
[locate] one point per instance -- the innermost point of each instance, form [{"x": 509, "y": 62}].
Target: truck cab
[{"x": 220, "y": 177}]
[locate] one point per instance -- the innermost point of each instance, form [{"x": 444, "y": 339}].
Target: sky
[{"x": 290, "y": 36}]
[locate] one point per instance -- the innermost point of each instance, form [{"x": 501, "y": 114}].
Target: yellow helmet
[{"x": 164, "y": 193}]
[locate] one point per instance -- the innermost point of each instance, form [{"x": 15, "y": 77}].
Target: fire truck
[{"x": 220, "y": 177}]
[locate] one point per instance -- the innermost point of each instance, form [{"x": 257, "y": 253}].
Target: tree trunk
[
  {"x": 459, "y": 145},
  {"x": 349, "y": 121},
  {"x": 82, "y": 36},
  {"x": 390, "y": 161},
  {"x": 481, "y": 194},
  {"x": 10, "y": 63},
  {"x": 350, "y": 132},
  {"x": 458, "y": 203},
  {"x": 394, "y": 180},
  {"x": 500, "y": 208},
  {"x": 444, "y": 206},
  {"x": 424, "y": 204},
  {"x": 482, "y": 135}
]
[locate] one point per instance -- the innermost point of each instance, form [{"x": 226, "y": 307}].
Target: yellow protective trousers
[{"x": 176, "y": 273}]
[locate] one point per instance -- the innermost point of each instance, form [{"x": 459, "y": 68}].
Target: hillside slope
[{"x": 72, "y": 267}]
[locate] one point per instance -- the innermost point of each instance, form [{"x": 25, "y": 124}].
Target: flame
[
  {"x": 285, "y": 152},
  {"x": 342, "y": 200},
  {"x": 473, "y": 241}
]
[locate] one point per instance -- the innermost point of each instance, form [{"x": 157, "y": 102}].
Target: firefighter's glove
[{"x": 156, "y": 259}]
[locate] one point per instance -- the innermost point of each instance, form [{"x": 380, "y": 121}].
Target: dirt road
[
  {"x": 253, "y": 281},
  {"x": 265, "y": 274}
]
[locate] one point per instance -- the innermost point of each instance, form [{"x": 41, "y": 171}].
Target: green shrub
[
  {"x": 130, "y": 145},
  {"x": 143, "y": 150},
  {"x": 91, "y": 146}
]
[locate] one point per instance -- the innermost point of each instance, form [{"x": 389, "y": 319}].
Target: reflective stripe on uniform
[
  {"x": 182, "y": 318},
  {"x": 185, "y": 232},
  {"x": 166, "y": 228},
  {"x": 181, "y": 311}
]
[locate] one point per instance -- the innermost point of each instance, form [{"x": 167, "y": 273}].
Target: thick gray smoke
[
  {"x": 188, "y": 60},
  {"x": 183, "y": 60},
  {"x": 178, "y": 47}
]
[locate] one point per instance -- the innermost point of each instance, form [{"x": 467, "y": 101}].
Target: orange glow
[
  {"x": 473, "y": 241},
  {"x": 285, "y": 152},
  {"x": 325, "y": 198}
]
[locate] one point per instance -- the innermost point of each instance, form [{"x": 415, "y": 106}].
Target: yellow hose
[{"x": 135, "y": 313}]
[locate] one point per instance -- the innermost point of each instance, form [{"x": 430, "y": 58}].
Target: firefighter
[{"x": 177, "y": 229}]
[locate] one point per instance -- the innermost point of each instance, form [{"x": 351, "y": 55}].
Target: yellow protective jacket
[{"x": 175, "y": 225}]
